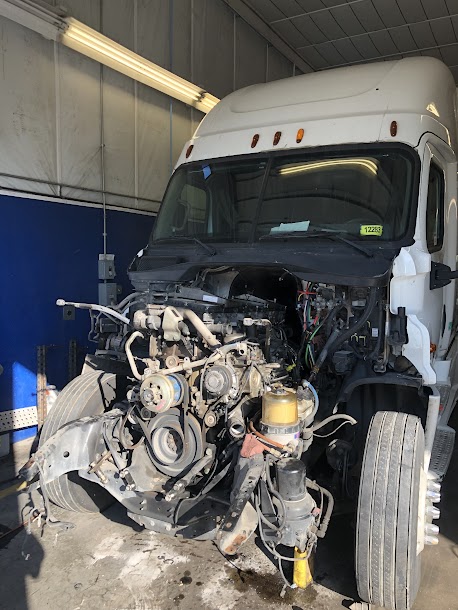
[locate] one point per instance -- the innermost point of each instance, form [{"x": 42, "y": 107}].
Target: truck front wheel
[
  {"x": 89, "y": 394},
  {"x": 388, "y": 563}
]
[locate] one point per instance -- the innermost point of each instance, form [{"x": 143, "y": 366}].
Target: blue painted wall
[{"x": 49, "y": 250}]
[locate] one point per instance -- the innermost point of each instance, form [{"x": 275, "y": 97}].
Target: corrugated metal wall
[{"x": 59, "y": 108}]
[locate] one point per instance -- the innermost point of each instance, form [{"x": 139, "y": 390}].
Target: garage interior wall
[{"x": 76, "y": 136}]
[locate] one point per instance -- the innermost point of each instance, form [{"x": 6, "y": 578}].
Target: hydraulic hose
[
  {"x": 94, "y": 307},
  {"x": 346, "y": 334},
  {"x": 120, "y": 306},
  {"x": 324, "y": 353},
  {"x": 330, "y": 507},
  {"x": 351, "y": 420}
]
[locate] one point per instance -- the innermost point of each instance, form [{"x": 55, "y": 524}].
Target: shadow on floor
[{"x": 14, "y": 510}]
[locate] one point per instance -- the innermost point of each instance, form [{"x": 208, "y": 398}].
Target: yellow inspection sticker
[{"x": 371, "y": 230}]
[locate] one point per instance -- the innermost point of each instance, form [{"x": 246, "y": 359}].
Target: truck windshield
[{"x": 365, "y": 195}]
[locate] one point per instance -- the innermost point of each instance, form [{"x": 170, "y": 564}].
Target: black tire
[
  {"x": 388, "y": 567},
  {"x": 89, "y": 394}
]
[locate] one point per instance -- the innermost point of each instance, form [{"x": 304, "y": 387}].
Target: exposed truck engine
[{"x": 213, "y": 436}]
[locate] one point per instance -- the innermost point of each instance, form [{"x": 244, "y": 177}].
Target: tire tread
[{"x": 387, "y": 566}]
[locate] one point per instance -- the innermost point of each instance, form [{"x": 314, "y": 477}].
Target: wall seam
[
  {"x": 58, "y": 118},
  {"x": 76, "y": 202},
  {"x": 234, "y": 72},
  {"x": 171, "y": 99},
  {"x": 192, "y": 62},
  {"x": 136, "y": 107},
  {"x": 267, "y": 62},
  {"x": 102, "y": 144}
]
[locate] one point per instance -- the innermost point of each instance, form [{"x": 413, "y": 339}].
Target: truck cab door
[
  {"x": 429, "y": 309},
  {"x": 439, "y": 235}
]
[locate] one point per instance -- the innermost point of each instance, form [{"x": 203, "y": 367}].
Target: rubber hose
[
  {"x": 335, "y": 417},
  {"x": 330, "y": 507},
  {"x": 346, "y": 334},
  {"x": 135, "y": 335}
]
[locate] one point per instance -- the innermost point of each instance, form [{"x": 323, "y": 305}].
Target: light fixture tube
[{"x": 91, "y": 43}]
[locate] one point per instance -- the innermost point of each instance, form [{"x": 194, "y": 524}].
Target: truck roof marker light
[
  {"x": 299, "y": 136},
  {"x": 255, "y": 140},
  {"x": 393, "y": 128},
  {"x": 277, "y": 137},
  {"x": 189, "y": 150}
]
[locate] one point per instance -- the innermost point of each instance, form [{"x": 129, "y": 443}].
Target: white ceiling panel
[
  {"x": 347, "y": 50},
  {"x": 291, "y": 34},
  {"x": 268, "y": 9},
  {"x": 289, "y": 8},
  {"x": 368, "y": 16},
  {"x": 390, "y": 13},
  {"x": 348, "y": 21},
  {"x": 331, "y": 54},
  {"x": 443, "y": 31},
  {"x": 412, "y": 11},
  {"x": 329, "y": 33},
  {"x": 366, "y": 47},
  {"x": 313, "y": 57},
  {"x": 435, "y": 8},
  {"x": 402, "y": 38},
  {"x": 422, "y": 35},
  {"x": 328, "y": 25},
  {"x": 384, "y": 43},
  {"x": 310, "y": 30}
]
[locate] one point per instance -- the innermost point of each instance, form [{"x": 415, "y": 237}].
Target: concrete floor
[{"x": 107, "y": 562}]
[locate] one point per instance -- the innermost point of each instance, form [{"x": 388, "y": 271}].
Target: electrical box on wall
[
  {"x": 107, "y": 269},
  {"x": 108, "y": 290},
  {"x": 108, "y": 293}
]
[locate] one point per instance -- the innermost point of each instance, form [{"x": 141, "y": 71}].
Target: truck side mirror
[{"x": 441, "y": 275}]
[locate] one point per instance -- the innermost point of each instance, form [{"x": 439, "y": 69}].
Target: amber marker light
[
  {"x": 277, "y": 137},
  {"x": 299, "y": 136},
  {"x": 189, "y": 151},
  {"x": 393, "y": 128},
  {"x": 255, "y": 140}
]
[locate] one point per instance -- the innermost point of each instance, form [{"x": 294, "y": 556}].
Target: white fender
[{"x": 416, "y": 350}]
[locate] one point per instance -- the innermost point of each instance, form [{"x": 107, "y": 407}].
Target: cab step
[{"x": 444, "y": 441}]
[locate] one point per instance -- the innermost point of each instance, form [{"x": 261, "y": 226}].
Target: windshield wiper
[
  {"x": 210, "y": 249},
  {"x": 326, "y": 234}
]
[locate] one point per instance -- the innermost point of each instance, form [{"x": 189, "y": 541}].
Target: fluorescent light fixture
[
  {"x": 54, "y": 25},
  {"x": 91, "y": 43},
  {"x": 35, "y": 16},
  {"x": 366, "y": 164}
]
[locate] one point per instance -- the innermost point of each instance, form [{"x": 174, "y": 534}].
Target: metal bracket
[
  {"x": 18, "y": 418},
  {"x": 241, "y": 518}
]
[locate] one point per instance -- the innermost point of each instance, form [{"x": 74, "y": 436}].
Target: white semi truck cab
[{"x": 290, "y": 344}]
